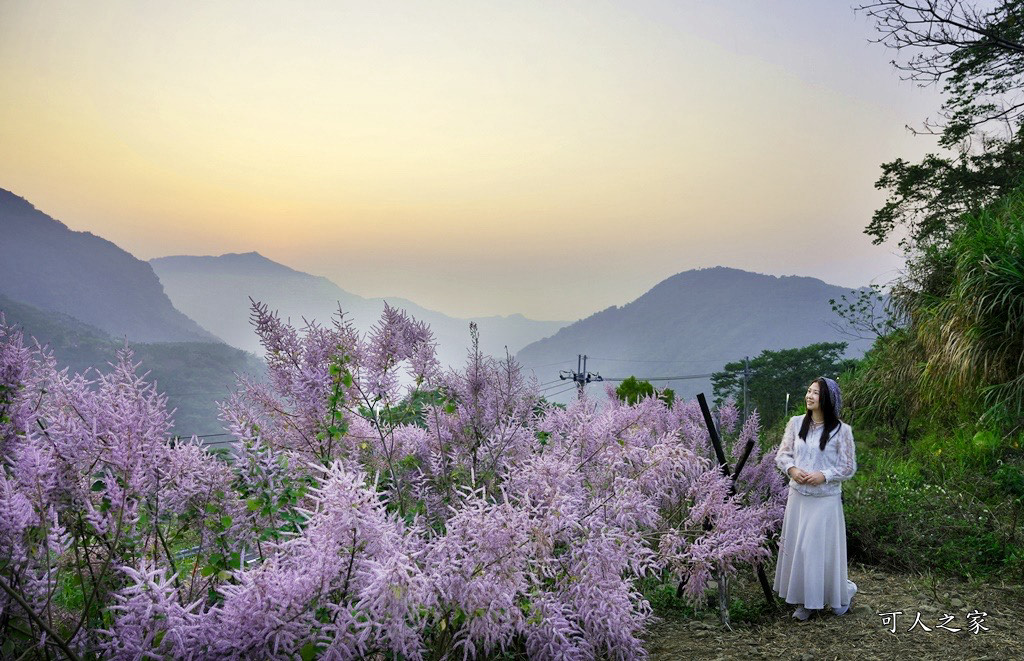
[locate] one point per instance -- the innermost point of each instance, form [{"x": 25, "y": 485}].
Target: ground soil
[{"x": 862, "y": 633}]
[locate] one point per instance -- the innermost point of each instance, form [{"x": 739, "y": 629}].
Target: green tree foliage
[
  {"x": 772, "y": 374},
  {"x": 958, "y": 357},
  {"x": 978, "y": 57},
  {"x": 414, "y": 409},
  {"x": 632, "y": 391}
]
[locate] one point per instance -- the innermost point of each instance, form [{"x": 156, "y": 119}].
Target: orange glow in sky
[{"x": 476, "y": 157}]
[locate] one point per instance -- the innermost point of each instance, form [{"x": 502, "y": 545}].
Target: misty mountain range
[
  {"x": 215, "y": 292},
  {"x": 51, "y": 267},
  {"x": 694, "y": 323},
  {"x": 84, "y": 296}
]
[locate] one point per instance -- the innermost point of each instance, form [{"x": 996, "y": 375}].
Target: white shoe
[
  {"x": 842, "y": 610},
  {"x": 801, "y": 613}
]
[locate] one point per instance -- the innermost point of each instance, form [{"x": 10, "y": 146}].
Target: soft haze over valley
[
  {"x": 188, "y": 317},
  {"x": 215, "y": 291}
]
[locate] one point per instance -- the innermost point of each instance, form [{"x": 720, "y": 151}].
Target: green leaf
[
  {"x": 207, "y": 570},
  {"x": 308, "y": 652},
  {"x": 253, "y": 504}
]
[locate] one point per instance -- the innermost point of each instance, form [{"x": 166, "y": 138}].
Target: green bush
[
  {"x": 881, "y": 391},
  {"x": 938, "y": 408},
  {"x": 951, "y": 504},
  {"x": 745, "y": 605},
  {"x": 632, "y": 391}
]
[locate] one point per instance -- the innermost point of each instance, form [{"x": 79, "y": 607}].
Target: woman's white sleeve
[
  {"x": 846, "y": 459},
  {"x": 784, "y": 457}
]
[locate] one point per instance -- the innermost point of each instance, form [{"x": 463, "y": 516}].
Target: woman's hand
[
  {"x": 814, "y": 479},
  {"x": 797, "y": 475},
  {"x": 803, "y": 477}
]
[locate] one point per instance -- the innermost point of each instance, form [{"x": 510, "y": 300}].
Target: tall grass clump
[
  {"x": 974, "y": 335},
  {"x": 959, "y": 358}
]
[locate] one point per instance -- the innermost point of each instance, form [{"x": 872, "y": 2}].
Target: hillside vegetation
[{"x": 938, "y": 404}]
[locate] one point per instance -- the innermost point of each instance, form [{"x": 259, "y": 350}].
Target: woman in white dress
[{"x": 817, "y": 454}]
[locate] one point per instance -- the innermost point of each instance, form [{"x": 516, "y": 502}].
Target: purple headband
[{"x": 834, "y": 394}]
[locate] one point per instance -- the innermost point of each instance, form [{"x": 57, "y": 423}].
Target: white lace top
[{"x": 837, "y": 463}]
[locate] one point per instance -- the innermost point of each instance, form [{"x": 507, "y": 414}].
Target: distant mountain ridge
[
  {"x": 215, "y": 291},
  {"x": 693, "y": 323},
  {"x": 45, "y": 264},
  {"x": 90, "y": 291}
]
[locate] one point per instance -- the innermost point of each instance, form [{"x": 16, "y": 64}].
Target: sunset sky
[{"x": 549, "y": 158}]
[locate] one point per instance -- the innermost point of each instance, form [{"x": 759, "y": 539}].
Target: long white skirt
[{"x": 812, "y": 552}]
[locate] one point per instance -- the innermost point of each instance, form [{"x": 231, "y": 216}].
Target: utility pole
[{"x": 581, "y": 376}]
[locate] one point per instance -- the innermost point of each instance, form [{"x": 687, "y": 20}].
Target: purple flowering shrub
[{"x": 374, "y": 504}]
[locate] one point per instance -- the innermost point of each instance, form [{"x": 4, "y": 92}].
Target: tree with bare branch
[{"x": 976, "y": 52}]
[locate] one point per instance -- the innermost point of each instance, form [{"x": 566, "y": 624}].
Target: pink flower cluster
[{"x": 374, "y": 504}]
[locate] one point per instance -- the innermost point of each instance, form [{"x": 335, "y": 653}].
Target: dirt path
[{"x": 862, "y": 633}]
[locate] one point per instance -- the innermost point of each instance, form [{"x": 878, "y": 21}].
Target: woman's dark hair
[{"x": 831, "y": 420}]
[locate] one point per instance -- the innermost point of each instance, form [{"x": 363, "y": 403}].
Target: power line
[
  {"x": 682, "y": 377},
  {"x": 228, "y": 442},
  {"x": 665, "y": 362},
  {"x": 533, "y": 367},
  {"x": 197, "y": 392},
  {"x": 559, "y": 392}
]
